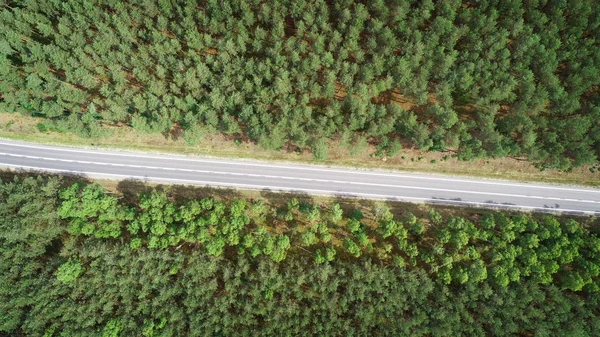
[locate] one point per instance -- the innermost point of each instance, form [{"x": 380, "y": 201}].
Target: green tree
[
  {"x": 319, "y": 149},
  {"x": 336, "y": 213},
  {"x": 351, "y": 247},
  {"x": 69, "y": 271}
]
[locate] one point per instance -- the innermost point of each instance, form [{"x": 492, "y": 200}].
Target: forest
[
  {"x": 78, "y": 260},
  {"x": 479, "y": 79}
]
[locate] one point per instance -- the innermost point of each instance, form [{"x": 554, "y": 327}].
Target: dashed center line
[
  {"x": 318, "y": 191},
  {"x": 298, "y": 167},
  {"x": 300, "y": 179}
]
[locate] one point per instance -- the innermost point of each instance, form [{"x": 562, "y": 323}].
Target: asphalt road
[{"x": 301, "y": 178}]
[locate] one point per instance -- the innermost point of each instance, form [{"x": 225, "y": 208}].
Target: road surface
[{"x": 301, "y": 178}]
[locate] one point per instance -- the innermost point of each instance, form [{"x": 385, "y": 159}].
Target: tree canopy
[
  {"x": 484, "y": 79},
  {"x": 160, "y": 265}
]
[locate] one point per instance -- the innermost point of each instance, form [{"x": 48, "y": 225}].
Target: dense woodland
[
  {"x": 482, "y": 79},
  {"x": 77, "y": 261}
]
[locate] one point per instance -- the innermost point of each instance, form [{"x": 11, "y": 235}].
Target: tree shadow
[
  {"x": 276, "y": 197},
  {"x": 174, "y": 133},
  {"x": 349, "y": 203},
  {"x": 66, "y": 178},
  {"x": 130, "y": 188},
  {"x": 183, "y": 193}
]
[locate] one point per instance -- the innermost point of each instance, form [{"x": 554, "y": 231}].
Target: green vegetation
[
  {"x": 76, "y": 260},
  {"x": 485, "y": 79}
]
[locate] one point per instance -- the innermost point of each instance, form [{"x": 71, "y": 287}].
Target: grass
[{"x": 18, "y": 127}]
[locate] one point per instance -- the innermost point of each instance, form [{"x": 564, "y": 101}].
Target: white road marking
[
  {"x": 324, "y": 192},
  {"x": 320, "y": 180},
  {"x": 300, "y": 167}
]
